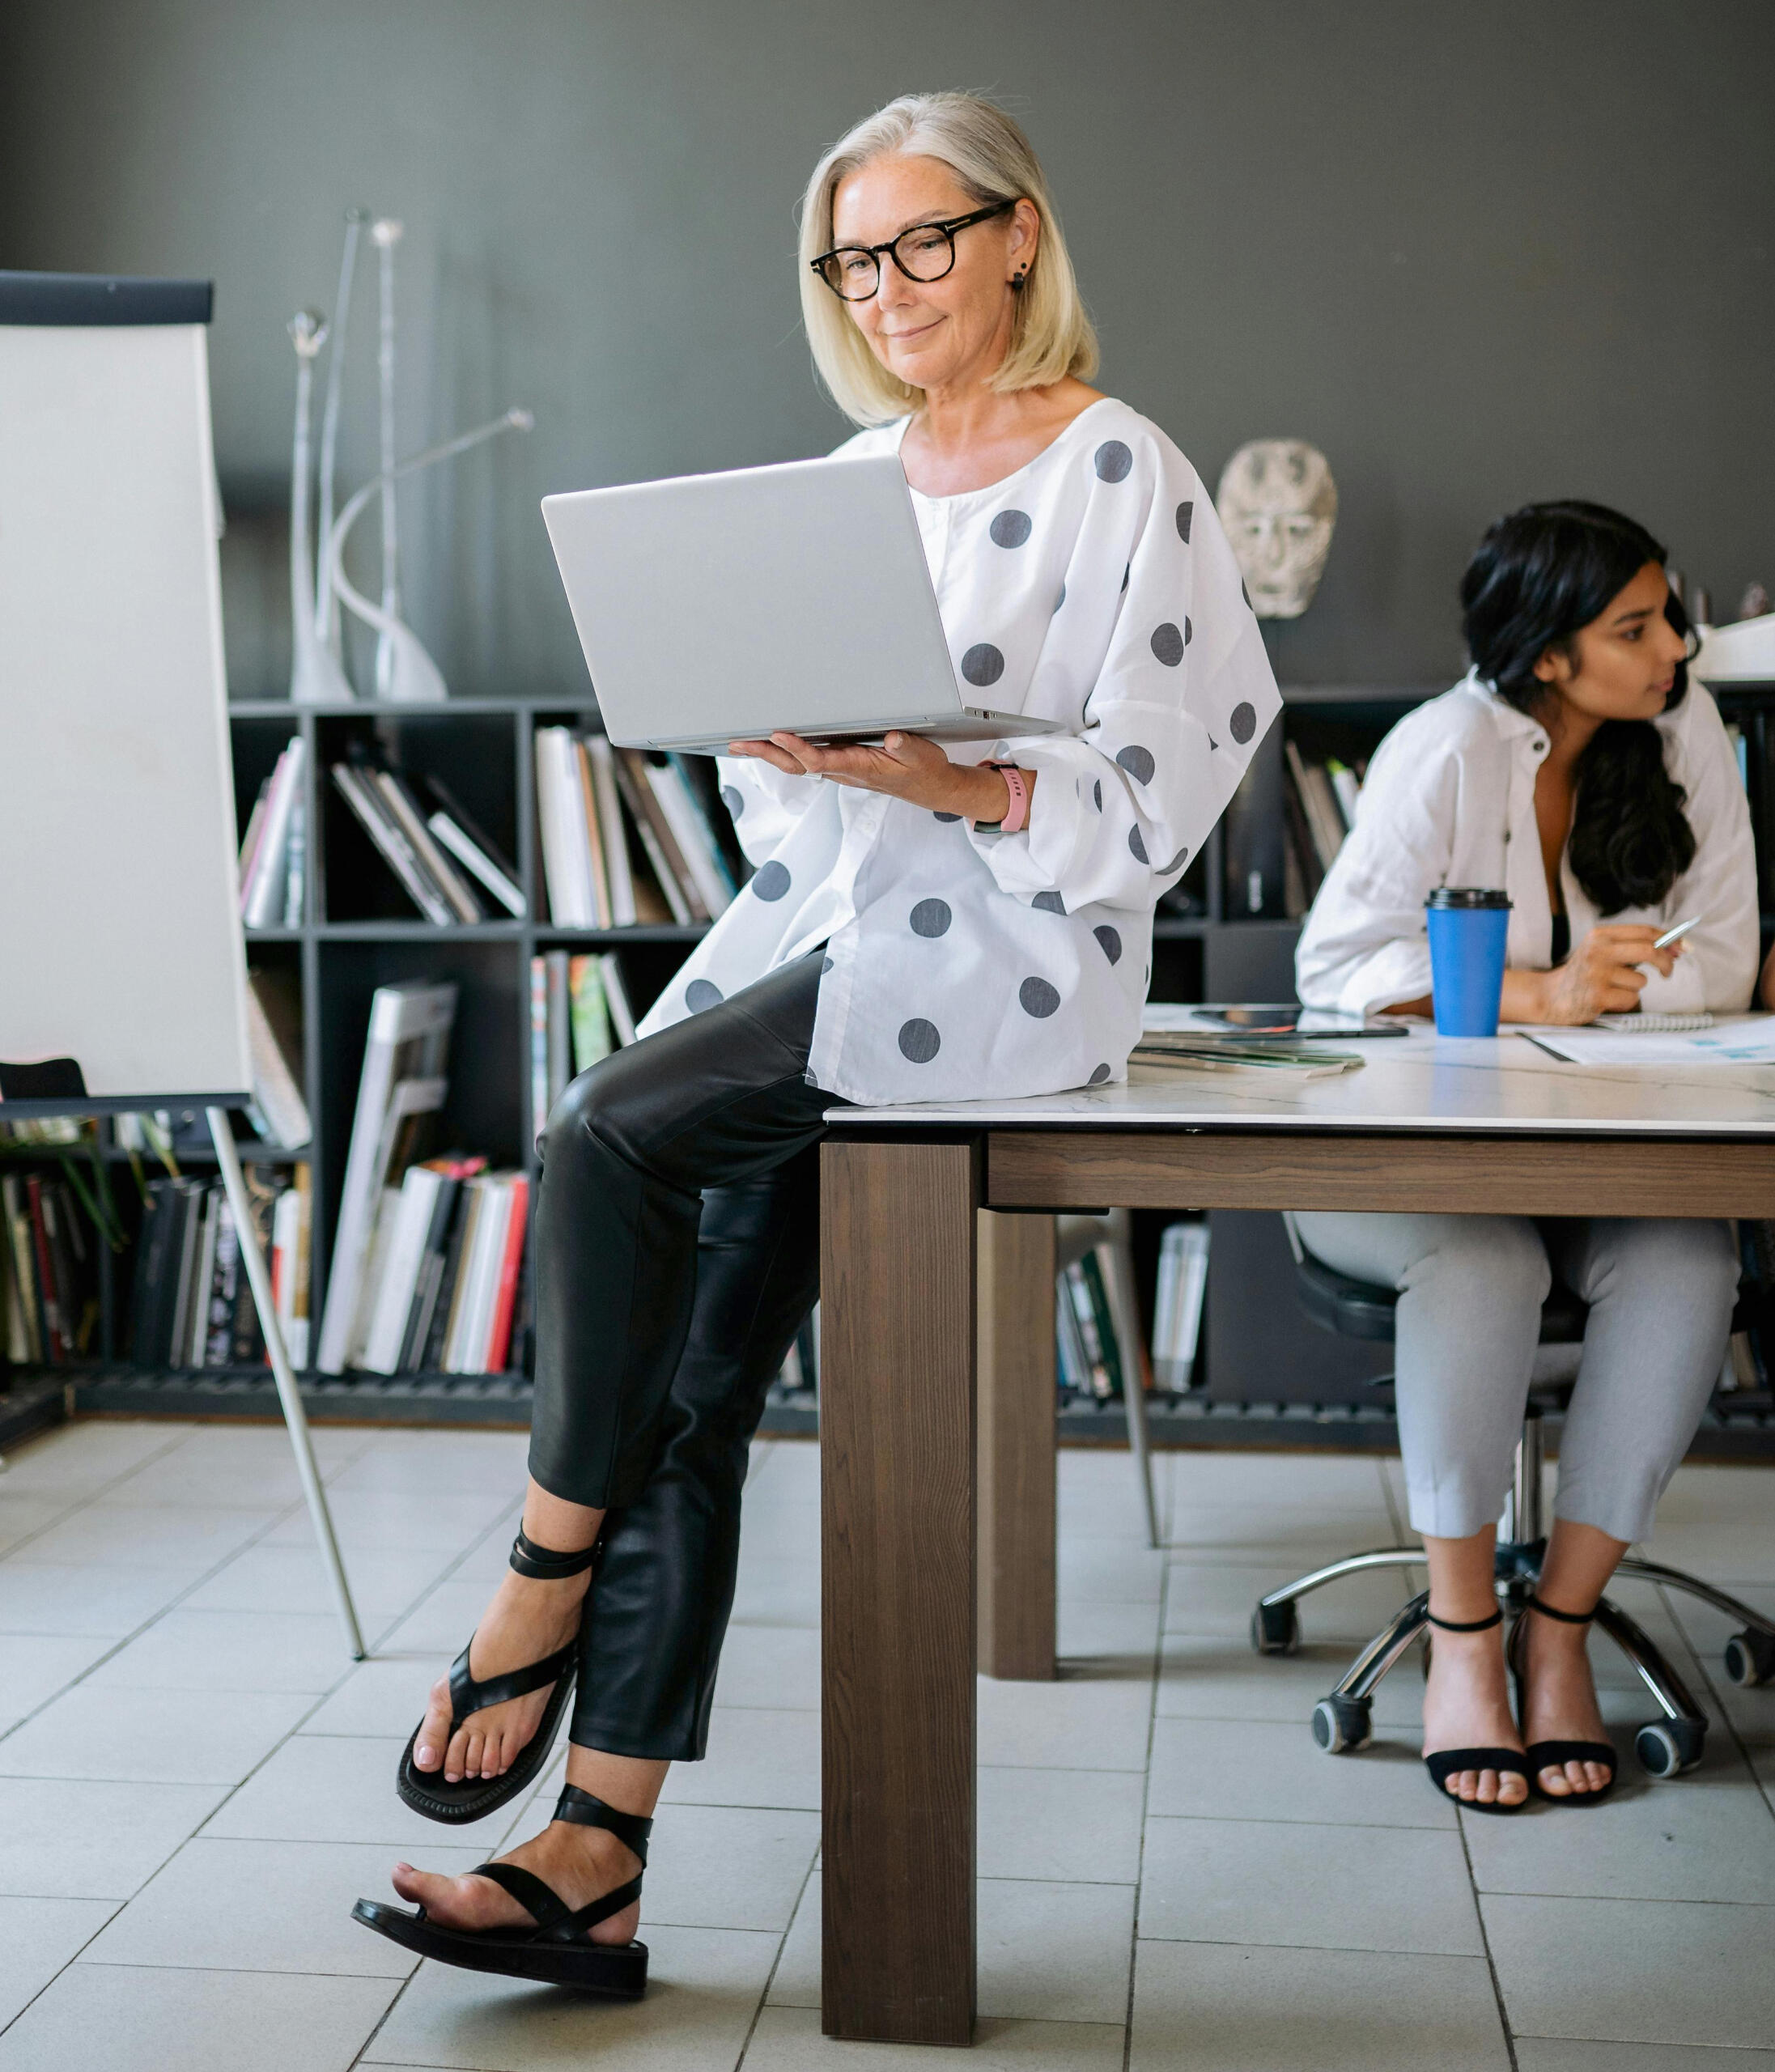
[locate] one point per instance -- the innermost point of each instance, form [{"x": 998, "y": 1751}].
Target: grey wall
[{"x": 1479, "y": 254}]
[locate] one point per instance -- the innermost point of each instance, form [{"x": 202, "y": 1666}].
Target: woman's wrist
[
  {"x": 995, "y": 790},
  {"x": 1524, "y": 996}
]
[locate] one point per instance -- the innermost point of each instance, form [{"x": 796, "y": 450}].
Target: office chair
[{"x": 1666, "y": 1747}]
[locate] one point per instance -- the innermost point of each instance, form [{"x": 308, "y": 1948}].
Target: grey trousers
[{"x": 1471, "y": 1288}]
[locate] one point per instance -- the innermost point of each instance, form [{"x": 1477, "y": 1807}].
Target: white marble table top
[{"x": 1501, "y": 1084}]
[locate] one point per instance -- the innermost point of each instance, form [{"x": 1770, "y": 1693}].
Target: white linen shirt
[
  {"x": 1093, "y": 586},
  {"x": 1449, "y": 800}
]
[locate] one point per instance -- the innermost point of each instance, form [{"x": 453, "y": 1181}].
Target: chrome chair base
[{"x": 1666, "y": 1746}]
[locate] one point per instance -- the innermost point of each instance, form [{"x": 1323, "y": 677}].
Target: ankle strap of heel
[
  {"x": 1565, "y": 1618},
  {"x": 587, "y": 1812},
  {"x": 543, "y": 1565},
  {"x": 1466, "y": 1625}
]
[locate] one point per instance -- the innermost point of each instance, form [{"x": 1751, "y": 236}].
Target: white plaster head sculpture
[{"x": 1279, "y": 504}]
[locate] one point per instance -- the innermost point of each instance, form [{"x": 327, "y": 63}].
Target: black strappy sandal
[
  {"x": 1556, "y": 1754},
  {"x": 1448, "y": 1762},
  {"x": 554, "y": 1950},
  {"x": 429, "y": 1792}
]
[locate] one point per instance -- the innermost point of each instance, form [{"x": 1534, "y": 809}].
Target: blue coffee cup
[{"x": 1468, "y": 926}]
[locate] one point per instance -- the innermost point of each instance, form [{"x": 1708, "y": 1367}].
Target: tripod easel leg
[{"x": 295, "y": 1417}]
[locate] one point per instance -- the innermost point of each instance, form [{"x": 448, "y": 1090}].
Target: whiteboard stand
[{"x": 296, "y": 1418}]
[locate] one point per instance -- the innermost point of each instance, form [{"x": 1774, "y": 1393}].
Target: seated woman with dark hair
[{"x": 1577, "y": 768}]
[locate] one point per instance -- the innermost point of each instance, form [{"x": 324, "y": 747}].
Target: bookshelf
[{"x": 1268, "y": 1376}]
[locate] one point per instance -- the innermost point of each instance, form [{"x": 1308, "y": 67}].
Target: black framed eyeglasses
[{"x": 925, "y": 253}]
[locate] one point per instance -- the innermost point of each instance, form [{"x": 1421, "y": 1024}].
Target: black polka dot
[
  {"x": 945, "y": 816},
  {"x": 1177, "y": 862},
  {"x": 1185, "y": 513},
  {"x": 983, "y": 665},
  {"x": 826, "y": 965},
  {"x": 1111, "y": 941},
  {"x": 770, "y": 882},
  {"x": 1061, "y": 599},
  {"x": 1138, "y": 763},
  {"x": 931, "y": 917},
  {"x": 1038, "y": 998},
  {"x": 1049, "y": 902},
  {"x": 1243, "y": 723},
  {"x": 1112, "y": 460},
  {"x": 1010, "y": 528},
  {"x": 1189, "y": 632},
  {"x": 1097, "y": 793},
  {"x": 1136, "y": 845},
  {"x": 919, "y": 1041},
  {"x": 1168, "y": 644},
  {"x": 1212, "y": 742},
  {"x": 734, "y": 799},
  {"x": 1127, "y": 570},
  {"x": 700, "y": 994},
  {"x": 1099, "y": 1073}
]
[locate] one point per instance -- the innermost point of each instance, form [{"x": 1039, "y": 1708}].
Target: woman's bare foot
[
  {"x": 1466, "y": 1706},
  {"x": 527, "y": 1620},
  {"x": 1560, "y": 1702},
  {"x": 579, "y": 1864}
]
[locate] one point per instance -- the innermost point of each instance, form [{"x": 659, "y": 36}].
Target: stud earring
[{"x": 1017, "y": 279}]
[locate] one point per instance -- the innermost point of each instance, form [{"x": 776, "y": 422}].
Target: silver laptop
[{"x": 719, "y": 608}]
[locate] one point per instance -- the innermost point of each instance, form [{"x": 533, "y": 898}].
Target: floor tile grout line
[
  {"x": 92, "y": 1497},
  {"x": 776, "y": 1962},
  {"x": 117, "y": 1907},
  {"x": 1139, "y": 1858}
]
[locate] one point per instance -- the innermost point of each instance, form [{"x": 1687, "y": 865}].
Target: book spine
[
  {"x": 692, "y": 791},
  {"x": 540, "y": 1103},
  {"x": 1109, "y": 1348},
  {"x": 559, "y": 1032},
  {"x": 295, "y": 873},
  {"x": 591, "y": 1013},
  {"x": 391, "y": 844},
  {"x": 616, "y": 997},
  {"x": 505, "y": 1298},
  {"x": 614, "y": 839},
  {"x": 474, "y": 860},
  {"x": 560, "y": 876},
  {"x": 668, "y": 787},
  {"x": 264, "y": 897},
  {"x": 642, "y": 810},
  {"x": 591, "y": 839}
]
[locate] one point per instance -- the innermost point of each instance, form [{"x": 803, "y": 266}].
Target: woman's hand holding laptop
[{"x": 905, "y": 767}]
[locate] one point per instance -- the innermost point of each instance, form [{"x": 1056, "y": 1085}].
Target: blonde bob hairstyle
[{"x": 1051, "y": 336}]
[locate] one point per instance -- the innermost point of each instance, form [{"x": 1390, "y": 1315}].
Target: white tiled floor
[{"x": 194, "y": 1785}]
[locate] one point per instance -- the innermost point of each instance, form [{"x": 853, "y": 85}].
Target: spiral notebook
[{"x": 1654, "y": 1025}]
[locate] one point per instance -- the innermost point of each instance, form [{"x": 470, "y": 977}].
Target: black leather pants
[{"x": 677, "y": 1254}]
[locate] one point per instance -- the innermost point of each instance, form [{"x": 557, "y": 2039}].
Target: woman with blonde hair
[{"x": 920, "y": 924}]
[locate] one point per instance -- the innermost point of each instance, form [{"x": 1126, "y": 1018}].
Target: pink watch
[{"x": 1018, "y": 817}]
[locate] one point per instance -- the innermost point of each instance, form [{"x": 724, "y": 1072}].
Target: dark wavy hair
[{"x": 1540, "y": 576}]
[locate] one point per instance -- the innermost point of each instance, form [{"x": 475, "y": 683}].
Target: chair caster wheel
[
  {"x": 1340, "y": 1725},
  {"x": 1666, "y": 1748},
  {"x": 1750, "y": 1658},
  {"x": 1275, "y": 1629}
]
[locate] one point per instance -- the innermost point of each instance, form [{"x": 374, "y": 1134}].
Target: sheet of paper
[{"x": 1736, "y": 1040}]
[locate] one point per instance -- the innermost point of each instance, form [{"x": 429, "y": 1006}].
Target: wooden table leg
[
  {"x": 897, "y": 1443},
  {"x": 1016, "y": 1447}
]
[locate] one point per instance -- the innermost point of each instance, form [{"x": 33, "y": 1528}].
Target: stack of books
[
  {"x": 192, "y": 1305},
  {"x": 48, "y": 1272},
  {"x": 449, "y": 867},
  {"x": 443, "y": 1290},
  {"x": 1319, "y": 796},
  {"x": 274, "y": 849},
  {"x": 627, "y": 837},
  {"x": 1099, "y": 1352},
  {"x": 579, "y": 1012},
  {"x": 1177, "y": 1307}
]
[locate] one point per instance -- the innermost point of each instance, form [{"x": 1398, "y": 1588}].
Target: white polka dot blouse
[{"x": 1093, "y": 586}]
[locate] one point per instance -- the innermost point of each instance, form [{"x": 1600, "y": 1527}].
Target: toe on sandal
[
  {"x": 1449, "y": 1762},
  {"x": 430, "y": 1792},
  {"x": 1556, "y": 1754},
  {"x": 554, "y": 1949}
]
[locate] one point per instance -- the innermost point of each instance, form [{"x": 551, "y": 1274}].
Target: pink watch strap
[{"x": 1018, "y": 817}]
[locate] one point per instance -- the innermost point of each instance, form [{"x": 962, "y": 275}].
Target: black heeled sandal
[
  {"x": 1448, "y": 1762},
  {"x": 1556, "y": 1754},
  {"x": 430, "y": 1792},
  {"x": 554, "y": 1950}
]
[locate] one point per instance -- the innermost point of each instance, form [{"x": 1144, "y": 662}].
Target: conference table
[{"x": 937, "y": 1384}]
